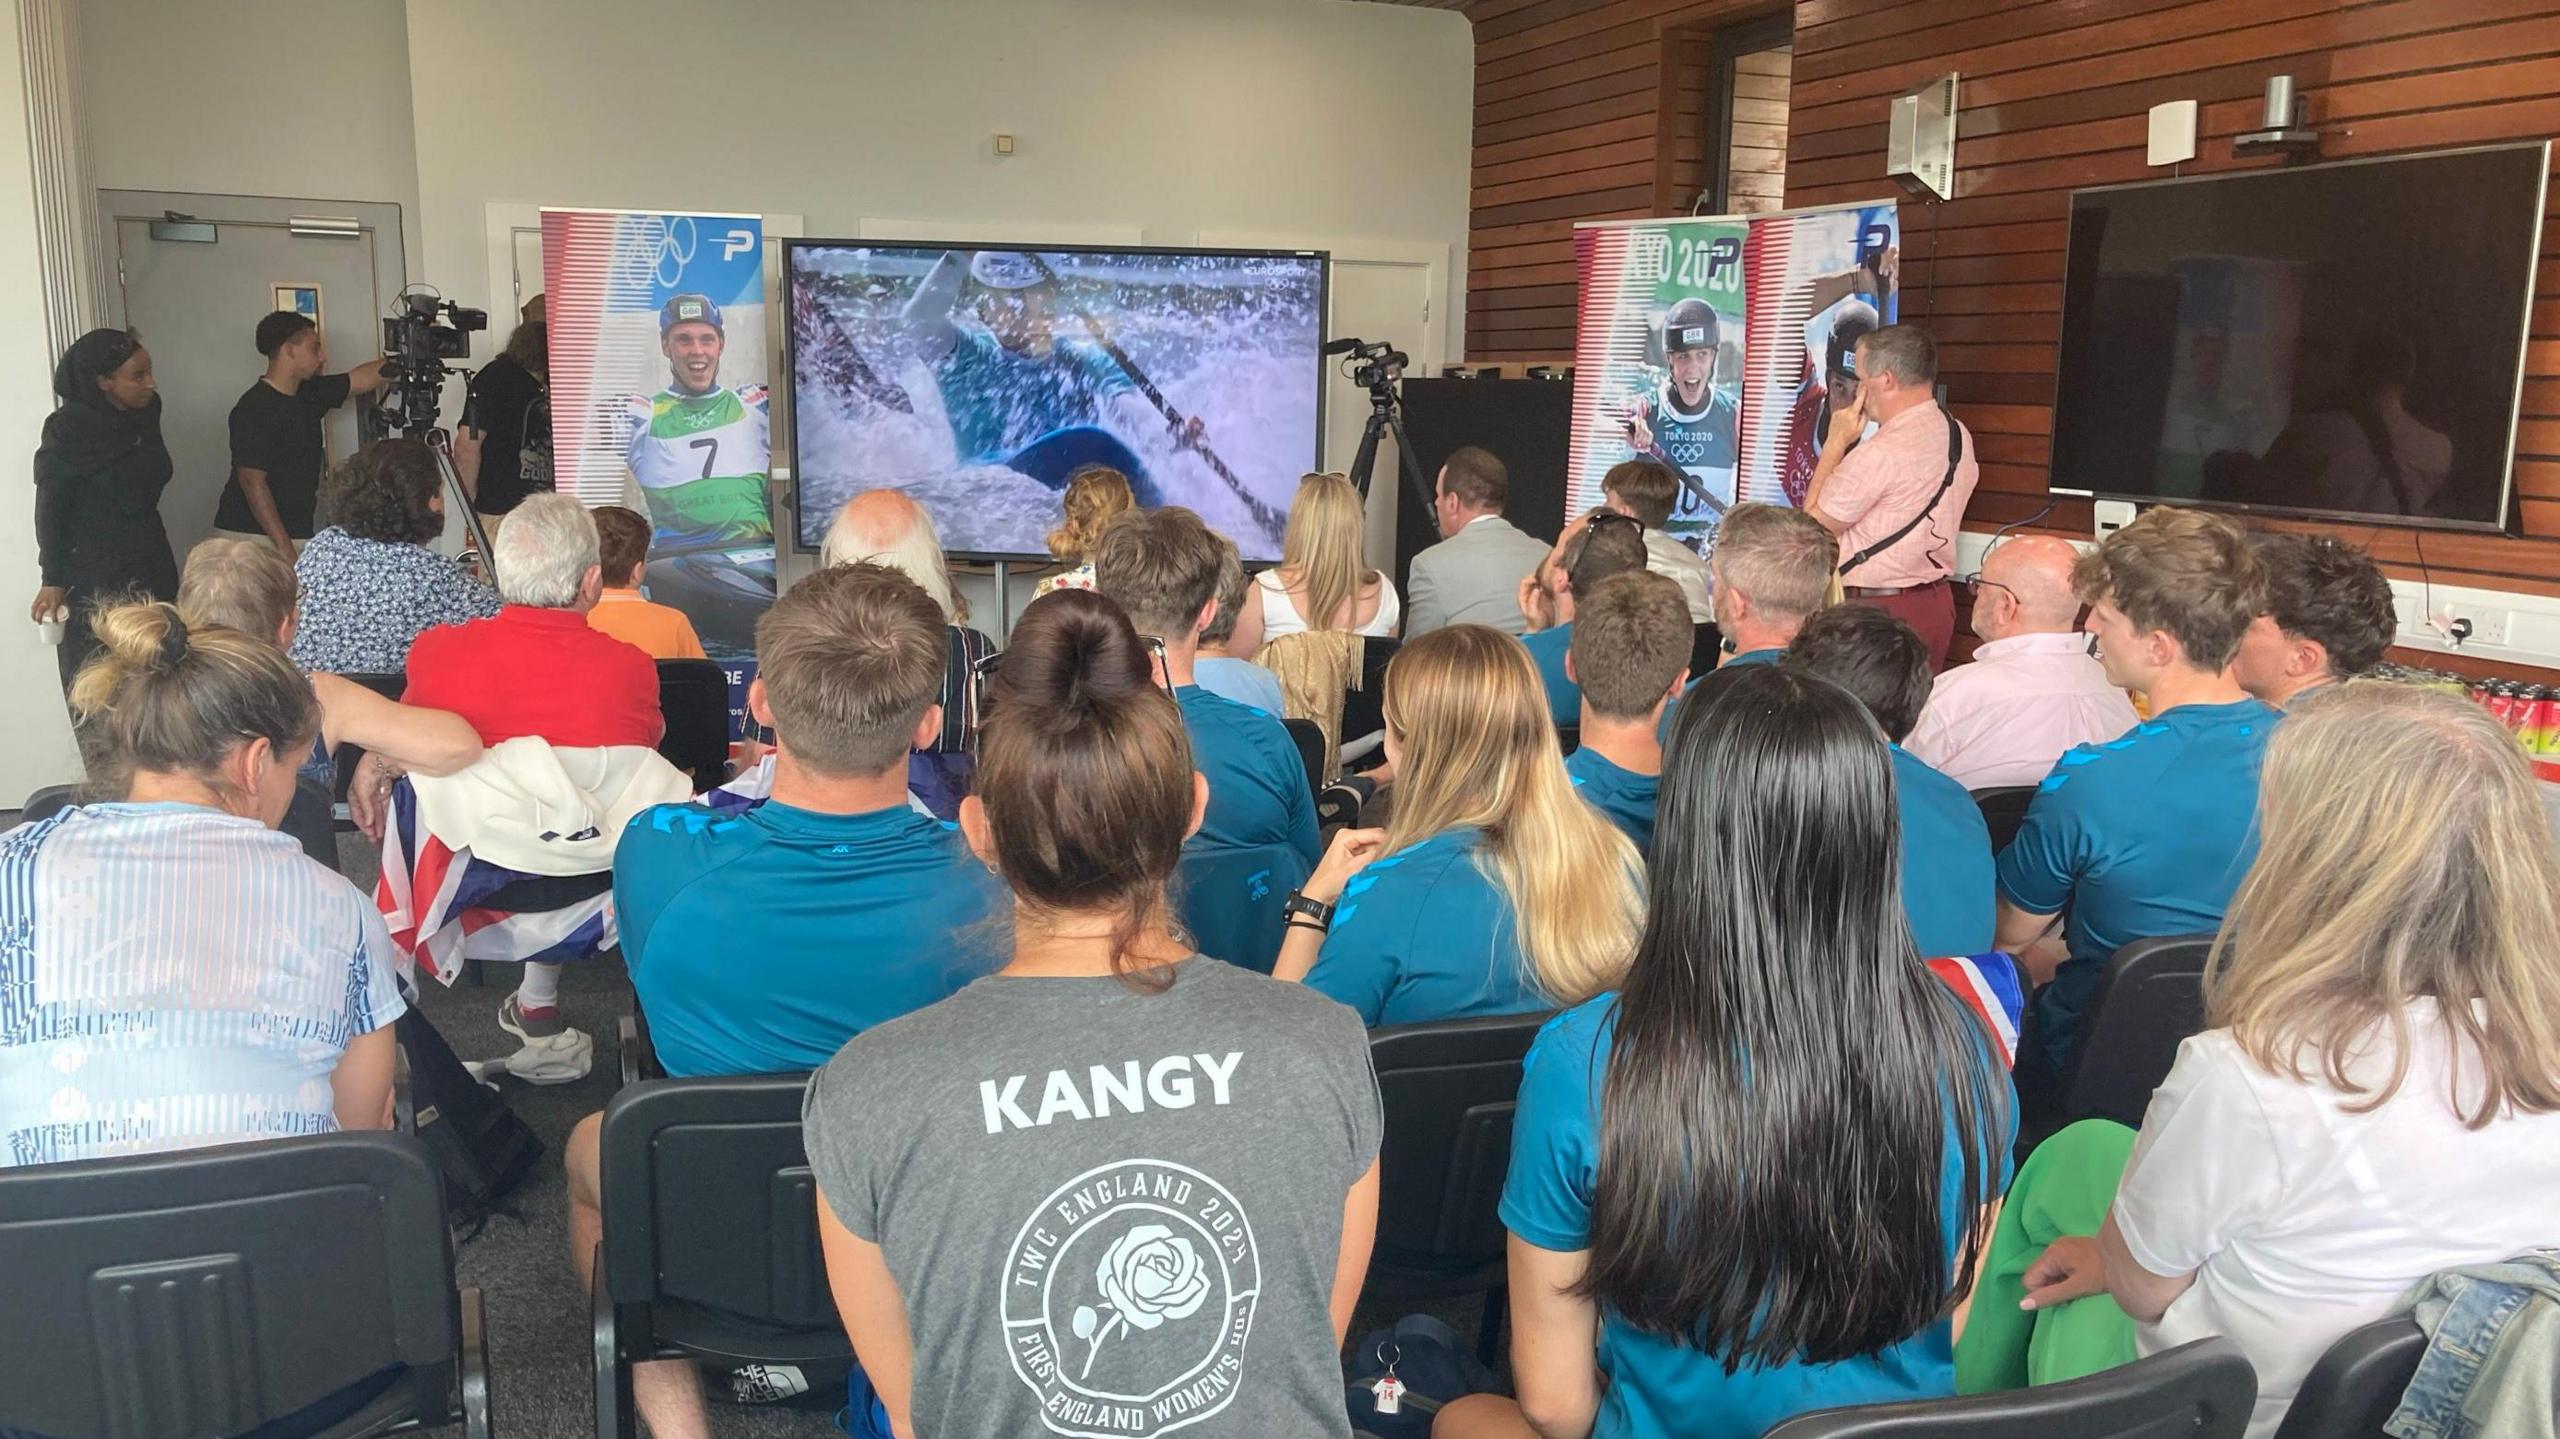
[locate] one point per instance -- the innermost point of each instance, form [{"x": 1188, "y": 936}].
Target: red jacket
[{"x": 539, "y": 672}]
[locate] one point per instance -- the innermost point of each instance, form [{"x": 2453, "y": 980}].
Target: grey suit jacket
[{"x": 1472, "y": 577}]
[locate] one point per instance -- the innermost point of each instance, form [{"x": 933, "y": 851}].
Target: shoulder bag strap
[{"x": 1955, "y": 454}]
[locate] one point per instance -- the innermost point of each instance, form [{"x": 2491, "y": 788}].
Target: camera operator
[{"x": 277, "y": 453}]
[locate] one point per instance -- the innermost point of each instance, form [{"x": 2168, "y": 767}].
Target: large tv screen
[
  {"x": 2343, "y": 341},
  {"x": 979, "y": 380}
]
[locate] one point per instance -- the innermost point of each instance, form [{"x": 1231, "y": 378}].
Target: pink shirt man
[
  {"x": 2007, "y": 717},
  {"x": 1885, "y": 481}
]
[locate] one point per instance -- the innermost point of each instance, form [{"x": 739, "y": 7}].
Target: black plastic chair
[
  {"x": 1309, "y": 738},
  {"x": 710, "y": 1247},
  {"x": 47, "y": 802},
  {"x": 2004, "y": 810},
  {"x": 2195, "y": 1391},
  {"x": 286, "y": 1272},
  {"x": 1705, "y": 649},
  {"x": 2149, "y": 1000},
  {"x": 344, "y": 759},
  {"x": 1362, "y": 713},
  {"x": 1449, "y": 1089},
  {"x": 2357, "y": 1383},
  {"x": 694, "y": 697}
]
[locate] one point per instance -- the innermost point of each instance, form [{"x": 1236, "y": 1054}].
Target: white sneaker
[{"x": 562, "y": 1058}]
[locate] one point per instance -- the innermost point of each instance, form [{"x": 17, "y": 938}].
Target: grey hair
[
  {"x": 913, "y": 550},
  {"x": 544, "y": 550},
  {"x": 1903, "y": 351}
]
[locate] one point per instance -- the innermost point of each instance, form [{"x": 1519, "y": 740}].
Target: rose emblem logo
[{"x": 1149, "y": 1275}]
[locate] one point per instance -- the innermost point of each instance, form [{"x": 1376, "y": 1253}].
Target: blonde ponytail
[{"x": 166, "y": 696}]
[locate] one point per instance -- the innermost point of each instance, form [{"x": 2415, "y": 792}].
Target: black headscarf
[{"x": 89, "y": 434}]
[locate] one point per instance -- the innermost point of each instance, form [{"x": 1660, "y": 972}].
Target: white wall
[
  {"x": 1317, "y": 117},
  {"x": 296, "y": 98},
  {"x": 38, "y": 749}
]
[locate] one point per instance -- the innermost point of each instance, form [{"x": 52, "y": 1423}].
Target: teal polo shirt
[
  {"x": 1548, "y": 649},
  {"x": 2143, "y": 836},
  {"x": 1947, "y": 879},
  {"x": 1624, "y": 796},
  {"x": 1424, "y": 934},
  {"x": 760, "y": 941},
  {"x": 1747, "y": 657},
  {"x": 1258, "y": 792},
  {"x": 1657, "y": 1386}
]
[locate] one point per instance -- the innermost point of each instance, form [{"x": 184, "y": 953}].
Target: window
[{"x": 1746, "y": 116}]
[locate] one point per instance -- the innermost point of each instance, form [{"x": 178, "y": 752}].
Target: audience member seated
[
  {"x": 2033, "y": 689},
  {"x": 735, "y": 927},
  {"x": 1161, "y": 568},
  {"x": 1654, "y": 1199},
  {"x": 887, "y": 527},
  {"x": 1323, "y": 580},
  {"x": 1113, "y": 1152},
  {"x": 2378, "y": 1098},
  {"x": 180, "y": 974},
  {"x": 2149, "y": 834},
  {"x": 1224, "y": 668},
  {"x": 1599, "y": 545},
  {"x": 1472, "y": 577},
  {"x": 1094, "y": 496},
  {"x": 370, "y": 585},
  {"x": 246, "y": 585},
  {"x": 1896, "y": 497},
  {"x": 660, "y": 631},
  {"x": 1648, "y": 490},
  {"x": 2329, "y": 617},
  {"x": 1773, "y": 568},
  {"x": 538, "y": 669},
  {"x": 1947, "y": 879},
  {"x": 1493, "y": 889},
  {"x": 1631, "y": 643}
]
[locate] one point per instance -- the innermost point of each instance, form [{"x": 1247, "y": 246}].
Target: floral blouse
[{"x": 363, "y": 601}]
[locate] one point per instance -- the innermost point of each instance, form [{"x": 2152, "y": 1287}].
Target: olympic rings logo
[{"x": 653, "y": 251}]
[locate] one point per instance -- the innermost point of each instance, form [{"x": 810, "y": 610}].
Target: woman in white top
[
  {"x": 2379, "y": 1096},
  {"x": 1322, "y": 582}
]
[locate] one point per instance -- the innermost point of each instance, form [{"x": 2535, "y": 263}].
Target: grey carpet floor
[{"x": 541, "y": 1358}]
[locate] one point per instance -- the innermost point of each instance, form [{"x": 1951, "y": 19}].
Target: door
[{"x": 196, "y": 305}]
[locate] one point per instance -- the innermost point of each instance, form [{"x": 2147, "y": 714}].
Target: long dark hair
[
  {"x": 1084, "y": 770},
  {"x": 1784, "y": 1066}
]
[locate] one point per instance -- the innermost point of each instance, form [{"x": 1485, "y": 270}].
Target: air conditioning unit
[{"x": 1920, "y": 139}]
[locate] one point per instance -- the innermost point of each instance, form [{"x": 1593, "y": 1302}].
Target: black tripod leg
[
  {"x": 1365, "y": 458},
  {"x": 1423, "y": 489}
]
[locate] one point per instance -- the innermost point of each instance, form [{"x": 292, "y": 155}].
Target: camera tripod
[{"x": 1384, "y": 419}]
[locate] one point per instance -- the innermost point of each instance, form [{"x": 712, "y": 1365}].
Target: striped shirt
[{"x": 172, "y": 976}]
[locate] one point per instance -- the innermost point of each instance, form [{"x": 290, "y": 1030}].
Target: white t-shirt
[
  {"x": 1280, "y": 615},
  {"x": 2308, "y": 1220}
]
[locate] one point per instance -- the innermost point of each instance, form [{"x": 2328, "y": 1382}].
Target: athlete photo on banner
[
  {"x": 1658, "y": 362},
  {"x": 658, "y": 369},
  {"x": 1825, "y": 278}
]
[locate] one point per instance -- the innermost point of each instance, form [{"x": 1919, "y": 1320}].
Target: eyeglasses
[
  {"x": 1974, "y": 584},
  {"x": 1612, "y": 517}
]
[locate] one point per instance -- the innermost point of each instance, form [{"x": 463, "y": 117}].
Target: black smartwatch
[{"x": 1318, "y": 914}]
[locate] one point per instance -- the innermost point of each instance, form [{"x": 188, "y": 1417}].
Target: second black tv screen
[{"x": 2339, "y": 340}]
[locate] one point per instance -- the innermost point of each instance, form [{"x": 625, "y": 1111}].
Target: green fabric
[{"x": 2064, "y": 1188}]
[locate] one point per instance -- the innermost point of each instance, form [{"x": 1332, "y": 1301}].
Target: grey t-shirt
[{"x": 1110, "y": 1213}]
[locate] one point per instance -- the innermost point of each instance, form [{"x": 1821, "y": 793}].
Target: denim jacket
[{"x": 2493, "y": 1351}]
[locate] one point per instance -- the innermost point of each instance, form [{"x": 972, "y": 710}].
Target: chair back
[
  {"x": 694, "y": 697},
  {"x": 307, "y": 819},
  {"x": 711, "y": 1220},
  {"x": 2357, "y": 1383},
  {"x": 2003, "y": 811},
  {"x": 1230, "y": 899},
  {"x": 283, "y": 1271},
  {"x": 343, "y": 759},
  {"x": 1706, "y": 646},
  {"x": 2149, "y": 1000},
  {"x": 2201, "y": 1390},
  {"x": 1449, "y": 1089},
  {"x": 47, "y": 802},
  {"x": 1363, "y": 711},
  {"x": 1313, "y": 752}
]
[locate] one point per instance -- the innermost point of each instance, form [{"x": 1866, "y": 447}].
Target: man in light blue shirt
[
  {"x": 1257, "y": 839},
  {"x": 760, "y": 940},
  {"x": 2148, "y": 834},
  {"x": 1600, "y": 544},
  {"x": 1946, "y": 847},
  {"x": 1232, "y": 676},
  {"x": 1631, "y": 643}
]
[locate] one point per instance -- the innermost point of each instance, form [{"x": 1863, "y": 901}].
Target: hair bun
[{"x": 1074, "y": 650}]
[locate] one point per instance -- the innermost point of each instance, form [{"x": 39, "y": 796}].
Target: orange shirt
[{"x": 661, "y": 630}]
